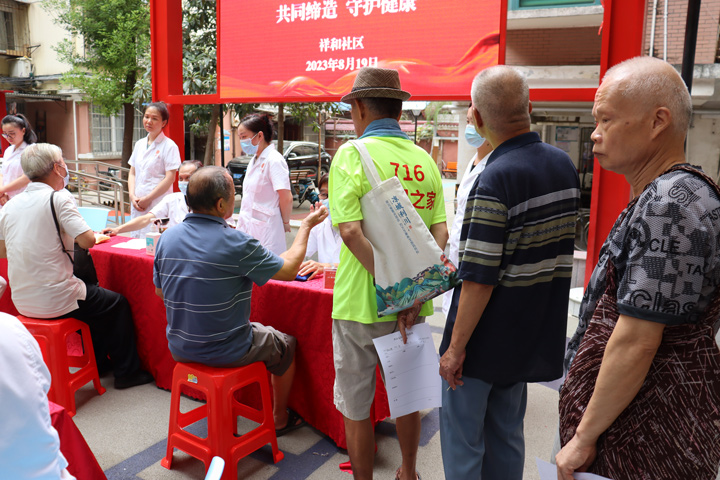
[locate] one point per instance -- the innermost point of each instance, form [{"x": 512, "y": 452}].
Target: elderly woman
[
  {"x": 642, "y": 396},
  {"x": 40, "y": 272}
]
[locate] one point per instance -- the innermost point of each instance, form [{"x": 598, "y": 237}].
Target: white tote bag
[{"x": 410, "y": 268}]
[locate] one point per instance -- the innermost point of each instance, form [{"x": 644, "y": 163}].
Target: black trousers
[{"x": 108, "y": 315}]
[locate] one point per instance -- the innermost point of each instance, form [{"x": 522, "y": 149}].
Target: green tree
[{"x": 115, "y": 35}]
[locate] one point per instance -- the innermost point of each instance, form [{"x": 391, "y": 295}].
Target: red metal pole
[
  {"x": 622, "y": 32},
  {"x": 166, "y": 52}
]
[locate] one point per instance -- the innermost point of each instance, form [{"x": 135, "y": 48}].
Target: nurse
[
  {"x": 153, "y": 164},
  {"x": 17, "y": 131},
  {"x": 267, "y": 200},
  {"x": 475, "y": 166}
]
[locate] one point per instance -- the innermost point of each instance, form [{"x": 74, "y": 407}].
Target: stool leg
[
  {"x": 173, "y": 426},
  {"x": 89, "y": 354},
  {"x": 269, "y": 420}
]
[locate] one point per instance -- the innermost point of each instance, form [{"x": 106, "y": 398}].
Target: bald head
[
  {"x": 207, "y": 186},
  {"x": 648, "y": 83},
  {"x": 500, "y": 95}
]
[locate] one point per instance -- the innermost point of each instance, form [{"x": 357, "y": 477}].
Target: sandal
[
  {"x": 397, "y": 474},
  {"x": 294, "y": 422}
]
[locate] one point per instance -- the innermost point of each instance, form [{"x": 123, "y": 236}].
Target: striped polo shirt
[
  {"x": 206, "y": 270},
  {"x": 518, "y": 235}
]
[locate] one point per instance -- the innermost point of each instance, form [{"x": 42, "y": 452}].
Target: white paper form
[
  {"x": 548, "y": 471},
  {"x": 134, "y": 244},
  {"x": 412, "y": 377}
]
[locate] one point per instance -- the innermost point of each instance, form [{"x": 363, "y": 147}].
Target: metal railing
[{"x": 100, "y": 188}]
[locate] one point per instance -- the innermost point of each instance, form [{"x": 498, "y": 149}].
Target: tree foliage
[{"x": 115, "y": 34}]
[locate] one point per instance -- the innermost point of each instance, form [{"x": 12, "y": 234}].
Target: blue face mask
[
  {"x": 182, "y": 186},
  {"x": 248, "y": 146},
  {"x": 326, "y": 202},
  {"x": 472, "y": 137}
]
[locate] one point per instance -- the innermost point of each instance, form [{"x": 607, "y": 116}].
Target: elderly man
[
  {"x": 173, "y": 206},
  {"x": 376, "y": 100},
  {"x": 205, "y": 264},
  {"x": 41, "y": 275},
  {"x": 642, "y": 394},
  {"x": 507, "y": 321}
]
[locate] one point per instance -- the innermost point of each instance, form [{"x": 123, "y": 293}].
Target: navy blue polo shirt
[
  {"x": 206, "y": 270},
  {"x": 518, "y": 235}
]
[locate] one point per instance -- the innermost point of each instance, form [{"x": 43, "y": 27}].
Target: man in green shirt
[{"x": 376, "y": 101}]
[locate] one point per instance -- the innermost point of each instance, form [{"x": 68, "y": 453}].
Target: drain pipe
[
  {"x": 75, "y": 131},
  {"x": 665, "y": 35},
  {"x": 652, "y": 28}
]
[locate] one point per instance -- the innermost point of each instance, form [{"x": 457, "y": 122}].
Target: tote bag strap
[{"x": 368, "y": 165}]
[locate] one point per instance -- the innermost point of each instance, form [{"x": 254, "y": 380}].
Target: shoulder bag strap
[
  {"x": 57, "y": 227},
  {"x": 368, "y": 165},
  {"x": 697, "y": 172}
]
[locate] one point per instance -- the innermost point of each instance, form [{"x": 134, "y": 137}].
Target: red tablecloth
[
  {"x": 301, "y": 309},
  {"x": 82, "y": 463}
]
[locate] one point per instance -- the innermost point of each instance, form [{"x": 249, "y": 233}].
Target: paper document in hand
[
  {"x": 548, "y": 471},
  {"x": 412, "y": 377}
]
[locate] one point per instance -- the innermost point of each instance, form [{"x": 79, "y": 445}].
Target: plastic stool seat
[
  {"x": 222, "y": 409},
  {"x": 52, "y": 336}
]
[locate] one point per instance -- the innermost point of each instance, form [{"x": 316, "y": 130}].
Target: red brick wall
[
  {"x": 553, "y": 46},
  {"x": 677, "y": 16}
]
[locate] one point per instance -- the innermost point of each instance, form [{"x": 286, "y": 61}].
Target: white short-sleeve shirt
[
  {"x": 29, "y": 445},
  {"x": 11, "y": 167},
  {"x": 151, "y": 162},
  {"x": 265, "y": 175},
  {"x": 172, "y": 206},
  {"x": 466, "y": 184},
  {"x": 326, "y": 241},
  {"x": 39, "y": 272},
  {"x": 260, "y": 215}
]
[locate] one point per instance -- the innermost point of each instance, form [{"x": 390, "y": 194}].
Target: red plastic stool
[
  {"x": 52, "y": 336},
  {"x": 222, "y": 409}
]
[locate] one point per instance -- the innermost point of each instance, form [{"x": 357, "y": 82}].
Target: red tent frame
[{"x": 622, "y": 37}]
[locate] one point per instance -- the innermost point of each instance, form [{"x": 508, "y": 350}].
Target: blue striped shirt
[
  {"x": 206, "y": 270},
  {"x": 518, "y": 235}
]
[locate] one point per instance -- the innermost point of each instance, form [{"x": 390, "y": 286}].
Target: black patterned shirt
[{"x": 666, "y": 251}]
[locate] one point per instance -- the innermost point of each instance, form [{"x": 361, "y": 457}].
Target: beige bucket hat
[{"x": 372, "y": 82}]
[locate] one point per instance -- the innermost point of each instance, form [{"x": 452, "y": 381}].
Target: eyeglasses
[{"x": 9, "y": 135}]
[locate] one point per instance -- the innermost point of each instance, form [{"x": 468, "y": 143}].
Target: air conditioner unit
[{"x": 20, "y": 67}]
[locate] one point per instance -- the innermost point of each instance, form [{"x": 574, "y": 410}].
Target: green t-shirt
[{"x": 354, "y": 293}]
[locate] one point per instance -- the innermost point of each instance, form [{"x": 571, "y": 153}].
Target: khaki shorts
[
  {"x": 355, "y": 360},
  {"x": 272, "y": 347}
]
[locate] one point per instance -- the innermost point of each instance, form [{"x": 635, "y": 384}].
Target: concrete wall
[
  {"x": 703, "y": 144},
  {"x": 45, "y": 33},
  {"x": 58, "y": 123}
]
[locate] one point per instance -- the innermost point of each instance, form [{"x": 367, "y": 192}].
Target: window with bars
[
  {"x": 107, "y": 131},
  {"x": 14, "y": 32}
]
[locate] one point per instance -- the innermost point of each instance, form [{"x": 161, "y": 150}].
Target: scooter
[{"x": 306, "y": 190}]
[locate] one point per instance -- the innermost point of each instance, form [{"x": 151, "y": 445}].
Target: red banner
[{"x": 276, "y": 50}]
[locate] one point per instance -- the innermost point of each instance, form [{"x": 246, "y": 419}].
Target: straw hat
[{"x": 373, "y": 82}]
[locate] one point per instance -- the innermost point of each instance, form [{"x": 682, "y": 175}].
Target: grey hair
[
  {"x": 652, "y": 83},
  {"x": 208, "y": 185},
  {"x": 501, "y": 96},
  {"x": 38, "y": 159},
  {"x": 196, "y": 163}
]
